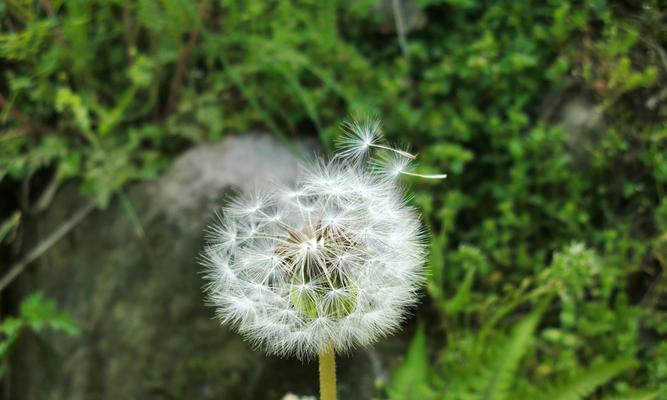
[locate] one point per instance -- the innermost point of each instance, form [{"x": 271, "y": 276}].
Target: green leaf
[
  {"x": 67, "y": 100},
  {"x": 411, "y": 377},
  {"x": 69, "y": 166},
  {"x": 508, "y": 358},
  {"x": 64, "y": 322},
  {"x": 35, "y": 310},
  {"x": 585, "y": 383},
  {"x": 38, "y": 312},
  {"x": 640, "y": 394},
  {"x": 436, "y": 266},
  {"x": 462, "y": 296},
  {"x": 10, "y": 329}
]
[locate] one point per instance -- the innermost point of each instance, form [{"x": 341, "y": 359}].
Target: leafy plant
[
  {"x": 411, "y": 377},
  {"x": 548, "y": 116},
  {"x": 588, "y": 381},
  {"x": 35, "y": 314}
]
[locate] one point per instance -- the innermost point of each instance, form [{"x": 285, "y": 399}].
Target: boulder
[{"x": 135, "y": 291}]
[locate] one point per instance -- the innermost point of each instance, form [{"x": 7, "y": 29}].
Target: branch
[
  {"x": 400, "y": 26},
  {"x": 48, "y": 8},
  {"x": 16, "y": 114},
  {"x": 25, "y": 122},
  {"x": 183, "y": 61},
  {"x": 46, "y": 244}
]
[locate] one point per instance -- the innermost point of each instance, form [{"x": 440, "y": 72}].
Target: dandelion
[{"x": 333, "y": 263}]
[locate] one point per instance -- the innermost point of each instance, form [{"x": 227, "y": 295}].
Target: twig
[
  {"x": 26, "y": 123},
  {"x": 50, "y": 12},
  {"x": 13, "y": 134},
  {"x": 28, "y": 126},
  {"x": 400, "y": 26},
  {"x": 130, "y": 31},
  {"x": 127, "y": 23},
  {"x": 659, "y": 284},
  {"x": 25, "y": 192},
  {"x": 16, "y": 114},
  {"x": 138, "y": 228},
  {"x": 652, "y": 102},
  {"x": 46, "y": 196},
  {"x": 46, "y": 244},
  {"x": 48, "y": 8},
  {"x": 184, "y": 59},
  {"x": 661, "y": 53}
]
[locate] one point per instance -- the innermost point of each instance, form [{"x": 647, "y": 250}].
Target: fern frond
[
  {"x": 508, "y": 359},
  {"x": 640, "y": 394},
  {"x": 411, "y": 377},
  {"x": 585, "y": 383}
]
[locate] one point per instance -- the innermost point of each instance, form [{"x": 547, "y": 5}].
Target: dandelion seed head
[{"x": 337, "y": 259}]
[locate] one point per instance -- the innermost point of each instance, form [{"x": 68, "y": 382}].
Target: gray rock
[
  {"x": 581, "y": 120},
  {"x": 146, "y": 333},
  {"x": 145, "y": 330}
]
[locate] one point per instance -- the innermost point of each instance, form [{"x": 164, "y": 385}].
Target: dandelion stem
[{"x": 328, "y": 373}]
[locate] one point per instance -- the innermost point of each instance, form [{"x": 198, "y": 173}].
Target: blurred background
[{"x": 125, "y": 123}]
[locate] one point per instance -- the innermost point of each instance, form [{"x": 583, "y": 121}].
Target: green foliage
[
  {"x": 585, "y": 384},
  {"x": 36, "y": 313},
  {"x": 411, "y": 378},
  {"x": 548, "y": 116},
  {"x": 658, "y": 368},
  {"x": 506, "y": 362},
  {"x": 635, "y": 395},
  {"x": 538, "y": 357}
]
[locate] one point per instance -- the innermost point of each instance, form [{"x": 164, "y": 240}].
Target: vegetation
[{"x": 547, "y": 270}]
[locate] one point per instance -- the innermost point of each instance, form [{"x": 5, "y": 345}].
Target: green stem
[{"x": 328, "y": 373}]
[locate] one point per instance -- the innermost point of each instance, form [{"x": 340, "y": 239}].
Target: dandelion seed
[{"x": 359, "y": 137}]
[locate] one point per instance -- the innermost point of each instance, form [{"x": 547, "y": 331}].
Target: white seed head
[{"x": 335, "y": 260}]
